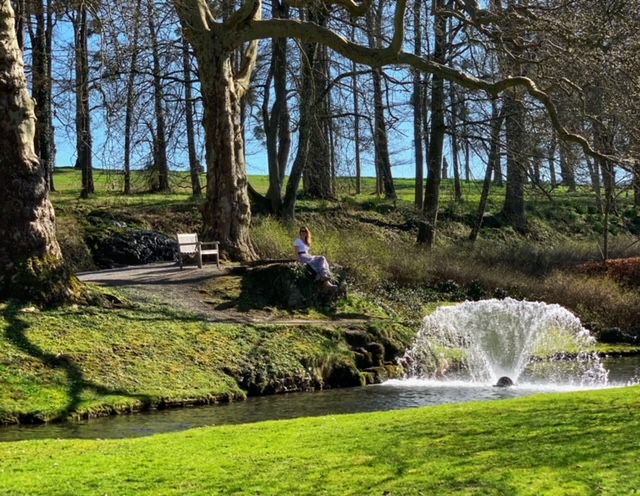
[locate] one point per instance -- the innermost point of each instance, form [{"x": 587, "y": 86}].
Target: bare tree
[{"x": 216, "y": 37}]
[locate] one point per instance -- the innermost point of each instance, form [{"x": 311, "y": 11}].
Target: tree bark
[
  {"x": 307, "y": 108},
  {"x": 226, "y": 212},
  {"x": 427, "y": 228},
  {"x": 418, "y": 108},
  {"x": 41, "y": 86},
  {"x": 276, "y": 120},
  {"x": 19, "y": 13},
  {"x": 455, "y": 152},
  {"x": 356, "y": 128},
  {"x": 513, "y": 210},
  {"x": 567, "y": 167},
  {"x": 31, "y": 264},
  {"x": 595, "y": 183},
  {"x": 317, "y": 172},
  {"x": 160, "y": 172},
  {"x": 380, "y": 136},
  {"x": 131, "y": 97},
  {"x": 194, "y": 166},
  {"x": 84, "y": 151},
  {"x": 553, "y": 143}
]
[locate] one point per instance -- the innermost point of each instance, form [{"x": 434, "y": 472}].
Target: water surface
[{"x": 392, "y": 395}]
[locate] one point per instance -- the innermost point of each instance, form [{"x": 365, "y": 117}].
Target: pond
[{"x": 392, "y": 395}]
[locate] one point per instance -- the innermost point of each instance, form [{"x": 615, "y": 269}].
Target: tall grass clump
[{"x": 272, "y": 239}]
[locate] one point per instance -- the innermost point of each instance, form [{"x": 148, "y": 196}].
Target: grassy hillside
[
  {"x": 374, "y": 240},
  {"x": 99, "y": 360},
  {"x": 578, "y": 443}
]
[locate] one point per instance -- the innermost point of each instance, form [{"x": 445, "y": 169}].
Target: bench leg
[{"x": 199, "y": 260}]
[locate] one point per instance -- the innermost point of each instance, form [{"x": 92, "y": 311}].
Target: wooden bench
[{"x": 189, "y": 245}]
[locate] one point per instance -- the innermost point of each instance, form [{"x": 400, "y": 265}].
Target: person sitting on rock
[{"x": 318, "y": 263}]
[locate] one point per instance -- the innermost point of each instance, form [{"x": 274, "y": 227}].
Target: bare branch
[
  {"x": 243, "y": 78},
  {"x": 355, "y": 8},
  {"x": 248, "y": 11},
  {"x": 195, "y": 15}
]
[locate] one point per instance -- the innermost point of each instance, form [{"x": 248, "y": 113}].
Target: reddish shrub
[{"x": 624, "y": 271}]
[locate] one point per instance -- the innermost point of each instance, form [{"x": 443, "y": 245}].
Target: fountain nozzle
[{"x": 504, "y": 381}]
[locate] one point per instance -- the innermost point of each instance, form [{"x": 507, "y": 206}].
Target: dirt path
[{"x": 167, "y": 284}]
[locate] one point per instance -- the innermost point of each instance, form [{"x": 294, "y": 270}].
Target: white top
[{"x": 301, "y": 247}]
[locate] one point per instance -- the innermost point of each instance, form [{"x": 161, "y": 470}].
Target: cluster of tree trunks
[{"x": 225, "y": 47}]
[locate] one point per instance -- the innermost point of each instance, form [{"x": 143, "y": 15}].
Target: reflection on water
[{"x": 389, "y": 396}]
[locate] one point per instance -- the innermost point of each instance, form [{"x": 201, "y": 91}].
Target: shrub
[
  {"x": 600, "y": 302},
  {"x": 272, "y": 240}
]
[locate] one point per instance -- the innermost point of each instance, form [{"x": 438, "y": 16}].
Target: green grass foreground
[{"x": 577, "y": 443}]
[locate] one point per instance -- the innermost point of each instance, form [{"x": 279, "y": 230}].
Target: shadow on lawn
[{"x": 16, "y": 335}]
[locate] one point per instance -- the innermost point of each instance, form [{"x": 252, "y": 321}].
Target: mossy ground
[{"x": 79, "y": 361}]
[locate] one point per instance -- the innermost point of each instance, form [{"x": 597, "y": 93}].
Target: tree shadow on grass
[{"x": 16, "y": 334}]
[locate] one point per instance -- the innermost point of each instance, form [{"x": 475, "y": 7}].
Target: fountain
[{"x": 498, "y": 341}]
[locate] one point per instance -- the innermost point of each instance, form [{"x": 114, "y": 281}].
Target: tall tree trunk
[
  {"x": 356, "y": 128},
  {"x": 276, "y": 119},
  {"x": 49, "y": 138},
  {"x": 41, "y": 85},
  {"x": 604, "y": 143},
  {"x": 426, "y": 132},
  {"x": 497, "y": 117},
  {"x": 427, "y": 228},
  {"x": 31, "y": 264},
  {"x": 467, "y": 145},
  {"x": 380, "y": 136},
  {"x": 595, "y": 182},
  {"x": 513, "y": 209},
  {"x": 317, "y": 172},
  {"x": 536, "y": 161},
  {"x": 553, "y": 143},
  {"x": 194, "y": 166},
  {"x": 498, "y": 178},
  {"x": 307, "y": 100},
  {"x": 418, "y": 108},
  {"x": 131, "y": 93},
  {"x": 455, "y": 152},
  {"x": 226, "y": 212},
  {"x": 84, "y": 148},
  {"x": 567, "y": 167},
  {"x": 160, "y": 179},
  {"x": 19, "y": 13},
  {"x": 609, "y": 183}
]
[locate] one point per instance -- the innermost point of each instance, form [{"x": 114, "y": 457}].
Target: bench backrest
[{"x": 188, "y": 243}]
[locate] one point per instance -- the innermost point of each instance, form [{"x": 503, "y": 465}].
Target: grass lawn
[{"x": 578, "y": 443}]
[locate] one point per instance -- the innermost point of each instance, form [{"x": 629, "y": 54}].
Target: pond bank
[{"x": 82, "y": 362}]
